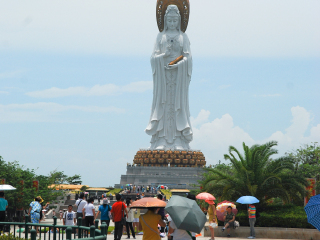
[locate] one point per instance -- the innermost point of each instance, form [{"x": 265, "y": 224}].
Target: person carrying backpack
[
  {"x": 104, "y": 209},
  {"x": 69, "y": 217}
]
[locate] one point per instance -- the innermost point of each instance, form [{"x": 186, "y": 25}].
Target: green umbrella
[{"x": 186, "y": 214}]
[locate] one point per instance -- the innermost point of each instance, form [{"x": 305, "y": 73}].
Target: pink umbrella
[
  {"x": 205, "y": 196},
  {"x": 222, "y": 208}
]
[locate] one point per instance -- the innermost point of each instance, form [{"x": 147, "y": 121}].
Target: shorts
[
  {"x": 231, "y": 225},
  {"x": 136, "y": 220}
]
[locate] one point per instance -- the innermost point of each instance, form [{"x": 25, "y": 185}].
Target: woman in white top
[
  {"x": 88, "y": 213},
  {"x": 130, "y": 219}
]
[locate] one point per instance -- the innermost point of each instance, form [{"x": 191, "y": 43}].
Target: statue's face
[{"x": 172, "y": 22}]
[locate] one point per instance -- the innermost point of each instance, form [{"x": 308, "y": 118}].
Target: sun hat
[
  {"x": 39, "y": 198},
  {"x": 105, "y": 201},
  {"x": 211, "y": 202}
]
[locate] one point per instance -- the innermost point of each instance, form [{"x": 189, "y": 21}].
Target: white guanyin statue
[{"x": 169, "y": 123}]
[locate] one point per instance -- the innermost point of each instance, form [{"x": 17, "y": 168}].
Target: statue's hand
[{"x": 168, "y": 67}]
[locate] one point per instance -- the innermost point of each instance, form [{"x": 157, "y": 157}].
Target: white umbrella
[{"x": 6, "y": 187}]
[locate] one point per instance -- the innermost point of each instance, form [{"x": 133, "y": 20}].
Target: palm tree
[{"x": 254, "y": 173}]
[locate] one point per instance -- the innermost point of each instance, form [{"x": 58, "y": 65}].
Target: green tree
[
  {"x": 83, "y": 188},
  {"x": 74, "y": 180},
  {"x": 255, "y": 173},
  {"x": 307, "y": 161},
  {"x": 22, "y": 179},
  {"x": 58, "y": 177}
]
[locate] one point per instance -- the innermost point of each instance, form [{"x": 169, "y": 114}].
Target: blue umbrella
[
  {"x": 313, "y": 211},
  {"x": 247, "y": 200}
]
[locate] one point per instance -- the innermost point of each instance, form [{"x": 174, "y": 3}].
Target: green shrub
[
  {"x": 114, "y": 191},
  {"x": 285, "y": 216},
  {"x": 10, "y": 237}
]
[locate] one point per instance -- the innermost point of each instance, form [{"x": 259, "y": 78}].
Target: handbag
[
  {"x": 109, "y": 213},
  {"x": 213, "y": 225},
  {"x": 123, "y": 219},
  {"x": 236, "y": 224}
]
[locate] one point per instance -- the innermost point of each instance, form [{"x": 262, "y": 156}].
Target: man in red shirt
[{"x": 117, "y": 211}]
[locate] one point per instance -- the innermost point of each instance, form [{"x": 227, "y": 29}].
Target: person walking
[
  {"x": 229, "y": 218},
  {"x": 69, "y": 217},
  {"x": 80, "y": 203},
  {"x": 104, "y": 209},
  {"x": 149, "y": 224},
  {"x": 43, "y": 211},
  {"x": 136, "y": 216},
  {"x": 252, "y": 220},
  {"x": 34, "y": 210},
  {"x": 118, "y": 212},
  {"x": 88, "y": 212},
  {"x": 130, "y": 218},
  {"x": 161, "y": 212},
  {"x": 3, "y": 208},
  {"x": 61, "y": 214},
  {"x": 212, "y": 216}
]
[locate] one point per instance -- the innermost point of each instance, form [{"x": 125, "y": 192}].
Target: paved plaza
[{"x": 110, "y": 236}]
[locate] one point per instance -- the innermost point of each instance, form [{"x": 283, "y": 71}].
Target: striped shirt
[{"x": 252, "y": 211}]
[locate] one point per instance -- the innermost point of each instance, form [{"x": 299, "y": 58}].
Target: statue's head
[{"x": 172, "y": 18}]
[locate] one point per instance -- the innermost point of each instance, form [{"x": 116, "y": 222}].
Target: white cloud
[
  {"x": 46, "y": 112},
  {"x": 224, "y": 86},
  {"x": 294, "y": 135},
  {"x": 97, "y": 90},
  {"x": 268, "y": 95},
  {"x": 202, "y": 117},
  {"x": 216, "y": 28},
  {"x": 4, "y": 92},
  {"x": 215, "y": 137},
  {"x": 11, "y": 74}
]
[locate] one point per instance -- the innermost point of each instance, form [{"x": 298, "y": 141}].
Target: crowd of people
[
  {"x": 130, "y": 188},
  {"x": 154, "y": 224}
]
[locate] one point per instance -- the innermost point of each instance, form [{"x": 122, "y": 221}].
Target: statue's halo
[{"x": 183, "y": 6}]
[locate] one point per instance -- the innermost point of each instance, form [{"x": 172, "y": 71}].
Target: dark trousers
[
  {"x": 107, "y": 223},
  {"x": 129, "y": 225},
  {"x": 83, "y": 220},
  {"x": 118, "y": 227},
  {"x": 2, "y": 219}
]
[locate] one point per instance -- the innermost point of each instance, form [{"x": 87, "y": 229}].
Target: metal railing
[{"x": 57, "y": 232}]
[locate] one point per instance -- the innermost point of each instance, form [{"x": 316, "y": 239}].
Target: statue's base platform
[{"x": 172, "y": 177}]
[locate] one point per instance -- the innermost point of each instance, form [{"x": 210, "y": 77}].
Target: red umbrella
[
  {"x": 205, "y": 196},
  {"x": 222, "y": 208}
]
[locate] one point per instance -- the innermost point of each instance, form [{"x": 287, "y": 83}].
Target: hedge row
[{"x": 283, "y": 216}]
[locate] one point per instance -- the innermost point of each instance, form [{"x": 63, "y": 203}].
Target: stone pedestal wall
[{"x": 177, "y": 177}]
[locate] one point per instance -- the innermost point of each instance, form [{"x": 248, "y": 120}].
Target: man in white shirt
[
  {"x": 69, "y": 217},
  {"x": 80, "y": 203}
]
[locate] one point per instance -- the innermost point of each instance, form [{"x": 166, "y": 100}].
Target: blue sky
[{"x": 76, "y": 90}]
